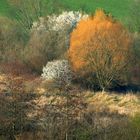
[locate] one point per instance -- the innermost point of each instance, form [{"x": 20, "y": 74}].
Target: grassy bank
[{"x": 119, "y": 9}]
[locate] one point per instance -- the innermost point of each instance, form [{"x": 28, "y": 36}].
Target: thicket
[
  {"x": 43, "y": 47},
  {"x": 100, "y": 47},
  {"x": 12, "y": 42}
]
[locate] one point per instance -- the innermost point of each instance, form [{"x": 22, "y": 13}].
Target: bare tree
[
  {"x": 109, "y": 64},
  {"x": 26, "y": 11}
]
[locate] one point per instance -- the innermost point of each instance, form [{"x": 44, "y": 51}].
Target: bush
[
  {"x": 101, "y": 46},
  {"x": 58, "y": 70},
  {"x": 11, "y": 40},
  {"x": 43, "y": 47}
]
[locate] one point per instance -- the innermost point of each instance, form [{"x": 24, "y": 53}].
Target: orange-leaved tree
[{"x": 101, "y": 46}]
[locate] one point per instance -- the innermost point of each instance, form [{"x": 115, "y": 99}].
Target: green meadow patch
[
  {"x": 119, "y": 9},
  {"x": 4, "y": 8}
]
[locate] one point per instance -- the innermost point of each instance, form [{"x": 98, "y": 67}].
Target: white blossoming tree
[
  {"x": 59, "y": 22},
  {"x": 64, "y": 22},
  {"x": 66, "y": 18},
  {"x": 59, "y": 71}
]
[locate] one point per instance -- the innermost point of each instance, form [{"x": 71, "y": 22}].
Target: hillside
[
  {"x": 119, "y": 9},
  {"x": 69, "y": 70}
]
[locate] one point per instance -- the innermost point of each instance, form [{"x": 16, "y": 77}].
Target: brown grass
[
  {"x": 128, "y": 103},
  {"x": 52, "y": 112}
]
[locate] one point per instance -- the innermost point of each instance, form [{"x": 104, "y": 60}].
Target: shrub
[
  {"x": 11, "y": 40},
  {"x": 43, "y": 47},
  {"x": 101, "y": 46},
  {"x": 58, "y": 70}
]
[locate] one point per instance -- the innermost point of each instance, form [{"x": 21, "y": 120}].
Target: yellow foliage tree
[{"x": 101, "y": 46}]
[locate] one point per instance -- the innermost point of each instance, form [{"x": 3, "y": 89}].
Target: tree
[
  {"x": 101, "y": 46},
  {"x": 44, "y": 46},
  {"x": 26, "y": 11}
]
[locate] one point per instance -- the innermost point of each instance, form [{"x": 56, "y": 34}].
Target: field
[{"x": 119, "y": 9}]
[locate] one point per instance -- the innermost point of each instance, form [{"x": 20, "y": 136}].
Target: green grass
[
  {"x": 120, "y": 9},
  {"x": 4, "y": 8}
]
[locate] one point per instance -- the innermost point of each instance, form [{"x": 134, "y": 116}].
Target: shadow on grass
[{"x": 127, "y": 88}]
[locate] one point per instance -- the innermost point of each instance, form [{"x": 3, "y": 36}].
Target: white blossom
[
  {"x": 59, "y": 22},
  {"x": 66, "y": 18},
  {"x": 58, "y": 70}
]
